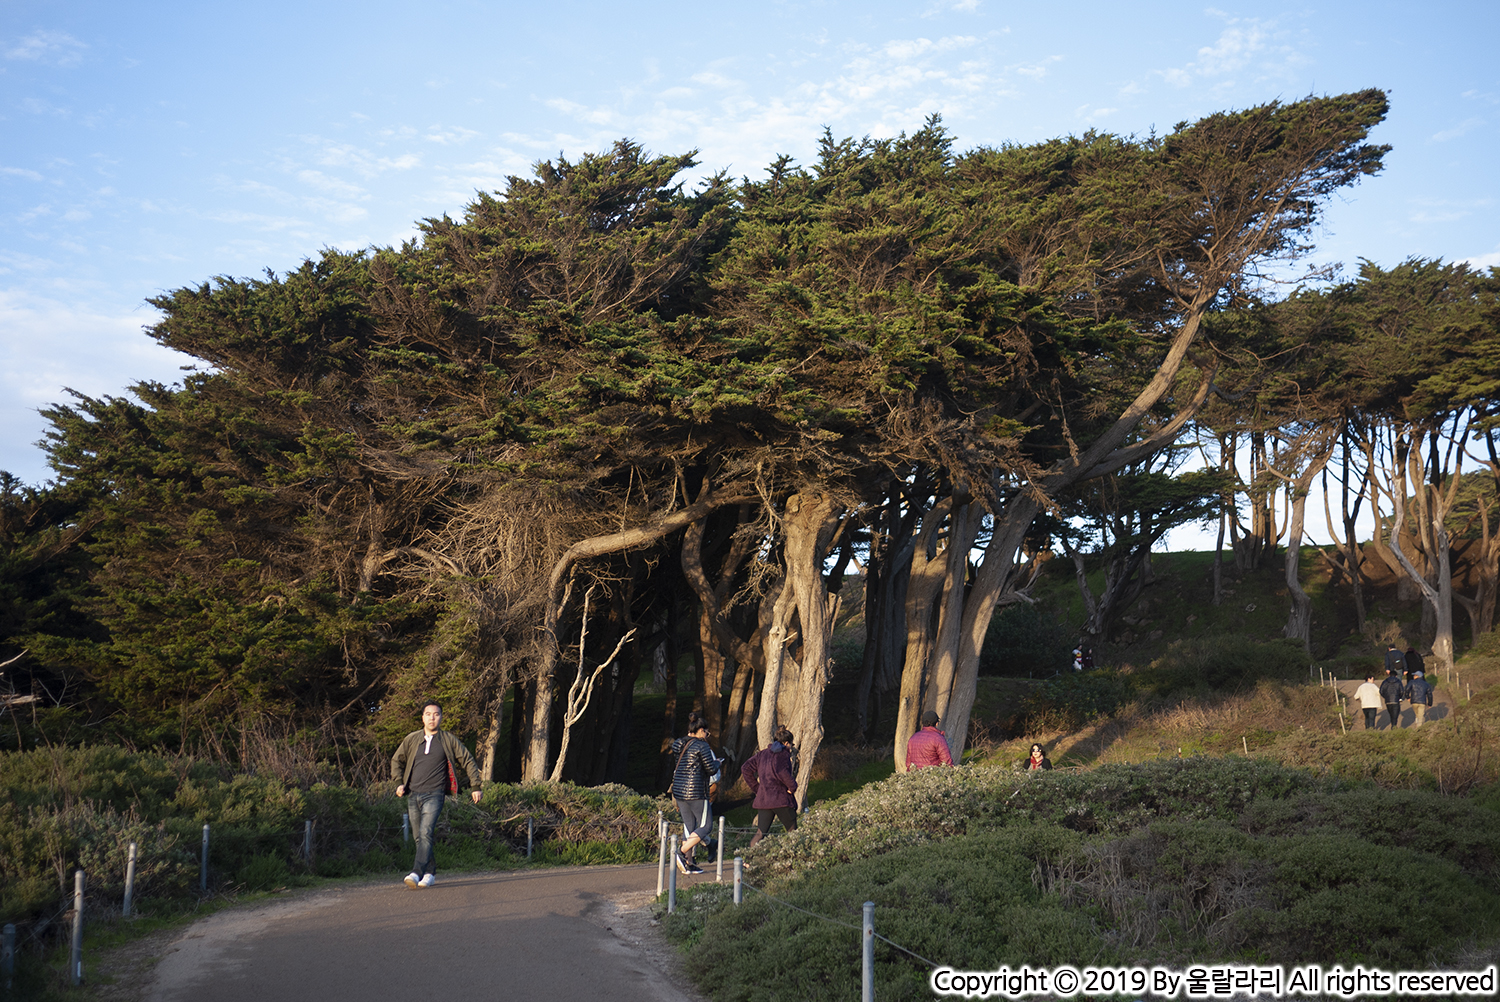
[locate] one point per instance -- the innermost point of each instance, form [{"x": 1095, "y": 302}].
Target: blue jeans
[{"x": 423, "y": 810}]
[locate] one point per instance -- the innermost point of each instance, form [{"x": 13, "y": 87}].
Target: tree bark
[{"x": 810, "y": 520}]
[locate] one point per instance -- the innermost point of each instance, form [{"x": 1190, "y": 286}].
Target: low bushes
[
  {"x": 1170, "y": 862},
  {"x": 64, "y": 809}
]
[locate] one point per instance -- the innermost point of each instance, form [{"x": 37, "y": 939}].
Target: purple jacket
[
  {"x": 929, "y": 746},
  {"x": 768, "y": 773}
]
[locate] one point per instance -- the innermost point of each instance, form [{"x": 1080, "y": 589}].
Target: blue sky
[{"x": 144, "y": 147}]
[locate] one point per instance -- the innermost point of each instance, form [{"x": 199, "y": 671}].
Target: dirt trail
[
  {"x": 569, "y": 933},
  {"x": 1441, "y": 708}
]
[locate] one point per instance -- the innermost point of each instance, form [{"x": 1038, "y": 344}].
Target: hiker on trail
[
  {"x": 1038, "y": 758},
  {"x": 1390, "y": 693},
  {"x": 929, "y": 746},
  {"x": 1414, "y": 662},
  {"x": 691, "y": 779},
  {"x": 1394, "y": 661},
  {"x": 424, "y": 765},
  {"x": 768, "y": 773},
  {"x": 1419, "y": 692},
  {"x": 1369, "y": 700}
]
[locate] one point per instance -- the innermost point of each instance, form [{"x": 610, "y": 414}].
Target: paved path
[{"x": 537, "y": 933}]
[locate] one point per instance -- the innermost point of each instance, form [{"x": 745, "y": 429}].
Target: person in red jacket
[
  {"x": 929, "y": 746},
  {"x": 768, "y": 773}
]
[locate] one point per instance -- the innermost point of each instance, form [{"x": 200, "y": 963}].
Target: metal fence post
[
  {"x": 75, "y": 965},
  {"x": 867, "y": 965},
  {"x": 661, "y": 862},
  {"x": 739, "y": 879},
  {"x": 672, "y": 880},
  {"x": 130, "y": 880},
  {"x": 8, "y": 953},
  {"x": 203, "y": 867},
  {"x": 719, "y": 854},
  {"x": 405, "y": 828},
  {"x": 530, "y": 834},
  {"x": 307, "y": 840}
]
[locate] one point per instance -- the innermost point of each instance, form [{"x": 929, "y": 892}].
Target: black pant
[
  {"x": 1370, "y": 714},
  {"x": 1394, "y": 709},
  {"x": 764, "y": 816}
]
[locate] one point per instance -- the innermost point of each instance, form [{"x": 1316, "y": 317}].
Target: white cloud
[
  {"x": 30, "y": 175},
  {"x": 449, "y": 135},
  {"x": 1462, "y": 128},
  {"x": 1036, "y": 71},
  {"x": 1483, "y": 262},
  {"x": 55, "y": 48},
  {"x": 1245, "y": 46}
]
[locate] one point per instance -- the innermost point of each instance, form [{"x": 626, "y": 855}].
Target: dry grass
[{"x": 1456, "y": 752}]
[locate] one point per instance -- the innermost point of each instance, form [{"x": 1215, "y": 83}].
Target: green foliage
[
  {"x": 969, "y": 902},
  {"x": 1076, "y": 697},
  {"x": 1023, "y": 642},
  {"x": 1183, "y": 891},
  {"x": 933, "y": 804},
  {"x": 1224, "y": 663},
  {"x": 63, "y": 809}
]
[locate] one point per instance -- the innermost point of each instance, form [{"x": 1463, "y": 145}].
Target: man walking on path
[
  {"x": 1369, "y": 701},
  {"x": 1394, "y": 661},
  {"x": 929, "y": 746},
  {"x": 1390, "y": 692},
  {"x": 1419, "y": 692},
  {"x": 424, "y": 766}
]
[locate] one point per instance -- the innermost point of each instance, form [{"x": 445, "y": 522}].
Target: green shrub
[
  {"x": 1223, "y": 662},
  {"x": 263, "y": 873},
  {"x": 1179, "y": 892},
  {"x": 934, "y": 804},
  {"x": 969, "y": 902}
]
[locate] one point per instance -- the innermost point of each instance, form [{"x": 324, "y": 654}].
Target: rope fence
[{"x": 666, "y": 882}]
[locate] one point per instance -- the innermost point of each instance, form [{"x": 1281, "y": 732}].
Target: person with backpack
[
  {"x": 1419, "y": 693},
  {"x": 1391, "y": 691},
  {"x": 424, "y": 768},
  {"x": 692, "y": 777},
  {"x": 1394, "y": 660},
  {"x": 769, "y": 774}
]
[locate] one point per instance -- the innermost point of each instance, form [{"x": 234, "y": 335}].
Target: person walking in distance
[
  {"x": 1419, "y": 693},
  {"x": 1390, "y": 693},
  {"x": 424, "y": 766},
  {"x": 691, "y": 779},
  {"x": 768, "y": 773},
  {"x": 1369, "y": 698},
  {"x": 929, "y": 746},
  {"x": 1394, "y": 660}
]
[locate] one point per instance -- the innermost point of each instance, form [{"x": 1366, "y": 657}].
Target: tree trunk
[
  {"x": 925, "y": 578},
  {"x": 491, "y": 744},
  {"x": 810, "y": 520},
  {"x": 540, "y": 748}
]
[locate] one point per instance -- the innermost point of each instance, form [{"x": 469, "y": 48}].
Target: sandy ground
[{"x": 580, "y": 932}]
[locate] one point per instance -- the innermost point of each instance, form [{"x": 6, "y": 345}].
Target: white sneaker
[
  {"x": 411, "y": 879},
  {"x": 427, "y": 881}
]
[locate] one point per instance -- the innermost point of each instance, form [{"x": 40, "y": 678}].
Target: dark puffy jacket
[
  {"x": 768, "y": 773},
  {"x": 696, "y": 763},
  {"x": 1392, "y": 689},
  {"x": 1419, "y": 690}
]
